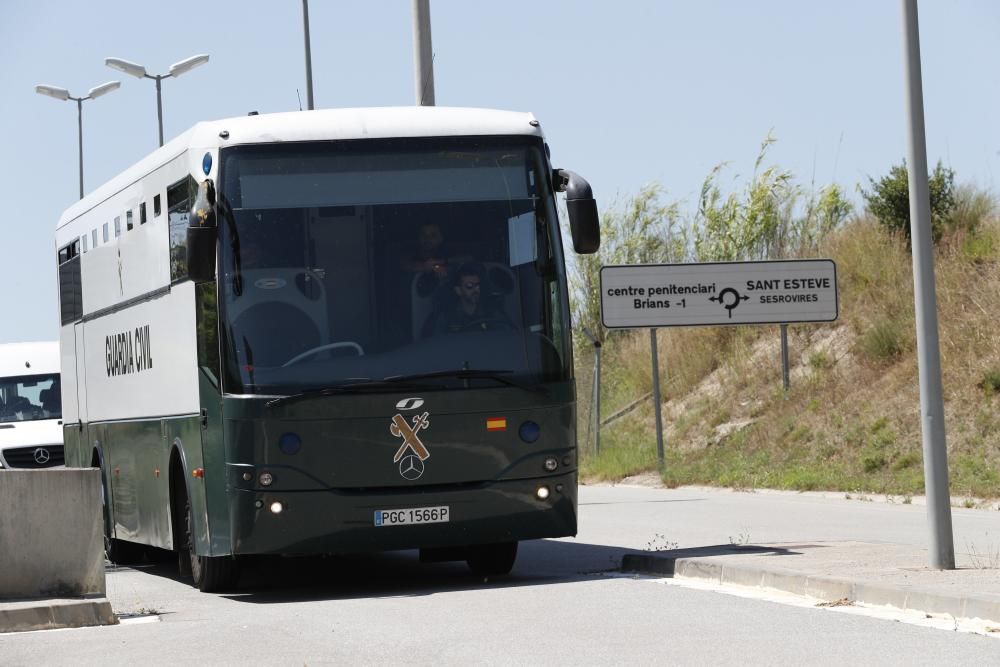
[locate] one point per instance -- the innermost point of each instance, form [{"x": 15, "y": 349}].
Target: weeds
[{"x": 660, "y": 543}]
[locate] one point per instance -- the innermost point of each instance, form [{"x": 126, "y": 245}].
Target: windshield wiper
[
  {"x": 350, "y": 388},
  {"x": 469, "y": 374}
]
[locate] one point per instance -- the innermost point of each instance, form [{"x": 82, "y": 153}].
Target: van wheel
[
  {"x": 210, "y": 573},
  {"x": 492, "y": 559}
]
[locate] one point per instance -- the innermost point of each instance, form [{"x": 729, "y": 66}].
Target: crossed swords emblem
[{"x": 401, "y": 429}]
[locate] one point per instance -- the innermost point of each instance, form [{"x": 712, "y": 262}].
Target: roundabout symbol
[{"x": 727, "y": 303}]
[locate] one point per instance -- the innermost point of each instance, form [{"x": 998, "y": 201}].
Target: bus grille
[{"x": 37, "y": 456}]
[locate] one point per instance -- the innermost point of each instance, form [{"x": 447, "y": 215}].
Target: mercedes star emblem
[
  {"x": 411, "y": 467},
  {"x": 42, "y": 456}
]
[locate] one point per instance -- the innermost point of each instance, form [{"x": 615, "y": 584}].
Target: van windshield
[{"x": 30, "y": 398}]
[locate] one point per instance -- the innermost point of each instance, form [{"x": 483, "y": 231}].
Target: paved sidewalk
[
  {"x": 52, "y": 613},
  {"x": 856, "y": 572}
]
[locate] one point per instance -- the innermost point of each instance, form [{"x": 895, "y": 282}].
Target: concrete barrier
[{"x": 51, "y": 534}]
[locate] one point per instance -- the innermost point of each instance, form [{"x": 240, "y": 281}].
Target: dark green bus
[{"x": 359, "y": 342}]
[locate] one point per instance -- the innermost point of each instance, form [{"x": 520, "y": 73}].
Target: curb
[
  {"x": 829, "y": 589},
  {"x": 49, "y": 614}
]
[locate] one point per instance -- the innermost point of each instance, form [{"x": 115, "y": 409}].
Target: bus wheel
[
  {"x": 492, "y": 559},
  {"x": 210, "y": 573}
]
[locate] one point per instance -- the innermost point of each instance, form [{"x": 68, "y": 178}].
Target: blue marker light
[
  {"x": 290, "y": 443},
  {"x": 206, "y": 163},
  {"x": 529, "y": 432}
]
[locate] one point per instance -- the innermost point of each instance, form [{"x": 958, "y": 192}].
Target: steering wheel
[{"x": 321, "y": 348}]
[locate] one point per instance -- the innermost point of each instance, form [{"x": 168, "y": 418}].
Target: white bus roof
[
  {"x": 322, "y": 125},
  {"x": 29, "y": 358}
]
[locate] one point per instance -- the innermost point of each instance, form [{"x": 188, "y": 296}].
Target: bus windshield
[
  {"x": 30, "y": 397},
  {"x": 354, "y": 262}
]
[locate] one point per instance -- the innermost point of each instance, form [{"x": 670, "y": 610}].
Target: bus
[
  {"x": 253, "y": 351},
  {"x": 30, "y": 412}
]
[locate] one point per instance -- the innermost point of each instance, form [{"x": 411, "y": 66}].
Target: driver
[{"x": 469, "y": 310}]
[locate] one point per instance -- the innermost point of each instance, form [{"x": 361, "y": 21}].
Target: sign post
[{"x": 714, "y": 294}]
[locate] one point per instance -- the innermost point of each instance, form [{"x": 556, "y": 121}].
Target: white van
[{"x": 30, "y": 406}]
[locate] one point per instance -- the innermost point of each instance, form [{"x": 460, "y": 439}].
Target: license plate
[{"x": 411, "y": 516}]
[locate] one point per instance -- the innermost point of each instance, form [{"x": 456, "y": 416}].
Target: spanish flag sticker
[{"x": 496, "y": 424}]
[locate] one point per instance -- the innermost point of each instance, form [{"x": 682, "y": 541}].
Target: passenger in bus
[
  {"x": 432, "y": 259},
  {"x": 469, "y": 310}
]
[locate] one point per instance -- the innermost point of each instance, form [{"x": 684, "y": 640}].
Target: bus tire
[
  {"x": 492, "y": 560},
  {"x": 211, "y": 574}
]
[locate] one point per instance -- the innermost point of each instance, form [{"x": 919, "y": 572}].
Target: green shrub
[
  {"x": 991, "y": 381},
  {"x": 885, "y": 340},
  {"x": 889, "y": 199}
]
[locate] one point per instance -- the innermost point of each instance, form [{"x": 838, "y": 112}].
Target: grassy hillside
[{"x": 850, "y": 420}]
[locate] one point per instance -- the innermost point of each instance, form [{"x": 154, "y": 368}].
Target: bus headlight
[
  {"x": 266, "y": 479},
  {"x": 551, "y": 463},
  {"x": 542, "y": 493},
  {"x": 276, "y": 507}
]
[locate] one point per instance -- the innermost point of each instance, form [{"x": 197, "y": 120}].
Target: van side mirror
[
  {"x": 202, "y": 234},
  {"x": 584, "y": 222}
]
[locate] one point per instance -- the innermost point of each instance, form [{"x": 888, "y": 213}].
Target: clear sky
[{"x": 628, "y": 92}]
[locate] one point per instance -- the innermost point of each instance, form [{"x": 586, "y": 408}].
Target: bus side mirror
[
  {"x": 201, "y": 235},
  {"x": 584, "y": 222}
]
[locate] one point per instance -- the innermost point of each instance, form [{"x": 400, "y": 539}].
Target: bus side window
[
  {"x": 142, "y": 213},
  {"x": 180, "y": 195},
  {"x": 128, "y": 220},
  {"x": 156, "y": 206},
  {"x": 106, "y": 237},
  {"x": 118, "y": 226},
  {"x": 70, "y": 293}
]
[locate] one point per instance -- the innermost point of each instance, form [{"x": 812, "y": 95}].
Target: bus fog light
[
  {"x": 551, "y": 464},
  {"x": 542, "y": 493},
  {"x": 266, "y": 479},
  {"x": 276, "y": 507},
  {"x": 247, "y": 476}
]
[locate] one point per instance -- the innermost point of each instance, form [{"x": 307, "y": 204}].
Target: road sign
[{"x": 719, "y": 293}]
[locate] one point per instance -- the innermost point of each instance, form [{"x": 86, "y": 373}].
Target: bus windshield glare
[{"x": 354, "y": 262}]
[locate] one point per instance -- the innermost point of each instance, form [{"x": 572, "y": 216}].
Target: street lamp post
[
  {"x": 139, "y": 72},
  {"x": 62, "y": 95}
]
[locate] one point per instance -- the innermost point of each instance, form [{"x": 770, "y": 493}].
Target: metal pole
[
  {"x": 79, "y": 125},
  {"x": 597, "y": 399},
  {"x": 656, "y": 398},
  {"x": 423, "y": 56},
  {"x": 942, "y": 548},
  {"x": 309, "y": 67},
  {"x": 784, "y": 356},
  {"x": 159, "y": 108}
]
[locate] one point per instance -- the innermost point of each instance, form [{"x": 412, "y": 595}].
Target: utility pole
[
  {"x": 423, "y": 55},
  {"x": 942, "y": 548},
  {"x": 309, "y": 65}
]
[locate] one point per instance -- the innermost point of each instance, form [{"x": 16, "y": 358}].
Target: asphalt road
[{"x": 562, "y": 604}]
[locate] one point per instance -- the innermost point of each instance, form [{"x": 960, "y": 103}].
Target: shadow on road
[{"x": 275, "y": 580}]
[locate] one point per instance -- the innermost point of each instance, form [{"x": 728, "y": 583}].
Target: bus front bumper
[{"x": 334, "y": 522}]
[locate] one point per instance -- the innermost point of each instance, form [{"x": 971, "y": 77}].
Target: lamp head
[
  {"x": 104, "y": 89},
  {"x": 188, "y": 64},
  {"x": 52, "y": 91},
  {"x": 129, "y": 68}
]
